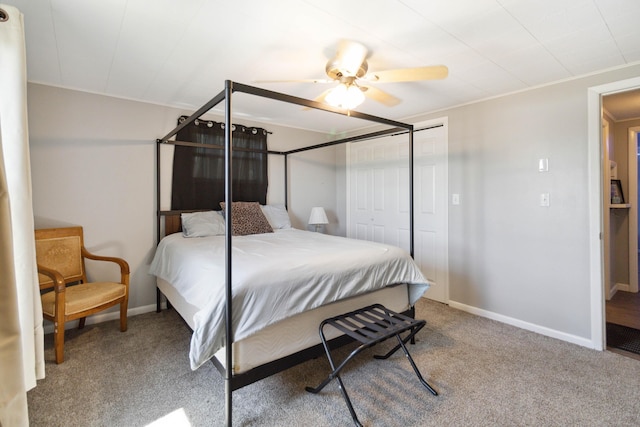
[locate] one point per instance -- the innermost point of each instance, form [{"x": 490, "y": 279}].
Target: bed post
[
  {"x": 158, "y": 296},
  {"x": 411, "y": 191},
  {"x": 228, "y": 198},
  {"x": 286, "y": 182}
]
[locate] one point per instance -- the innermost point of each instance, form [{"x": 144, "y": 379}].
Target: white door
[
  {"x": 379, "y": 193},
  {"x": 378, "y": 182},
  {"x": 430, "y": 177}
]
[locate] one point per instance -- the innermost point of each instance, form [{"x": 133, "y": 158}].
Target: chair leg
[
  {"x": 58, "y": 342},
  {"x": 81, "y": 322},
  {"x": 123, "y": 316}
]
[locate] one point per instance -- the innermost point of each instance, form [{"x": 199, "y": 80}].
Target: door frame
[
  {"x": 632, "y": 155},
  {"x": 605, "y": 134},
  {"x": 596, "y": 203}
]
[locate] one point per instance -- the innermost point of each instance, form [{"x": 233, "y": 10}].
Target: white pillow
[
  {"x": 202, "y": 224},
  {"x": 277, "y": 216}
]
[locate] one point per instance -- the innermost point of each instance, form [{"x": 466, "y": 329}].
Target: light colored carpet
[{"x": 487, "y": 374}]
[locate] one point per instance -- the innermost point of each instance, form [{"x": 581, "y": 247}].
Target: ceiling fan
[{"x": 350, "y": 70}]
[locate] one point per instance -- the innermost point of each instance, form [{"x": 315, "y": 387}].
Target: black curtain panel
[{"x": 198, "y": 172}]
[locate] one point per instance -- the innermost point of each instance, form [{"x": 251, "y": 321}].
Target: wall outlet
[{"x": 544, "y": 199}]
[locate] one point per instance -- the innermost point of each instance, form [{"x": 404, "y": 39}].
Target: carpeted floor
[
  {"x": 487, "y": 374},
  {"x": 623, "y": 337}
]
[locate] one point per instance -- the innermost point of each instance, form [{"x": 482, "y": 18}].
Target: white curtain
[{"x": 21, "y": 332}]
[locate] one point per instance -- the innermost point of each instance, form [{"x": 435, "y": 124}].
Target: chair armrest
[
  {"x": 124, "y": 266},
  {"x": 58, "y": 280}
]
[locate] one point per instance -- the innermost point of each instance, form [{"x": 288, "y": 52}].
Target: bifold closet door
[{"x": 379, "y": 199}]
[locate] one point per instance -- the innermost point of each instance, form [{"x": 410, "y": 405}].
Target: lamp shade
[{"x": 318, "y": 216}]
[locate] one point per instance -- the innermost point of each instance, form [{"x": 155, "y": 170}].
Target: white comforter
[{"x": 274, "y": 275}]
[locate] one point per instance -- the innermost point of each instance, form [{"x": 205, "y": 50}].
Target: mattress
[{"x": 275, "y": 276}]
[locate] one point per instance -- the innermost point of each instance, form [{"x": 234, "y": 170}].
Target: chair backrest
[{"x": 60, "y": 249}]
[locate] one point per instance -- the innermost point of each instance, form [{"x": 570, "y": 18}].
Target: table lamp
[{"x": 318, "y": 217}]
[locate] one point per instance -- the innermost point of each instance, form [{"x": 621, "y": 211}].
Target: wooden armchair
[{"x": 61, "y": 254}]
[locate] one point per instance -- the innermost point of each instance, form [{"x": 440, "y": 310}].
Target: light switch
[
  {"x": 543, "y": 165},
  {"x": 455, "y": 199}
]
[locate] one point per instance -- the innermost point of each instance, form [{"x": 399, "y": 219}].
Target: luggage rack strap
[{"x": 372, "y": 324}]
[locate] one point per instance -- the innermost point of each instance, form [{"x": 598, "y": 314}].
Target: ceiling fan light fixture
[{"x": 343, "y": 96}]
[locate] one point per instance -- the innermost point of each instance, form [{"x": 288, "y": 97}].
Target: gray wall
[{"x": 508, "y": 255}]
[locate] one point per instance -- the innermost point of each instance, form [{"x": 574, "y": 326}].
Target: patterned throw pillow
[{"x": 247, "y": 218}]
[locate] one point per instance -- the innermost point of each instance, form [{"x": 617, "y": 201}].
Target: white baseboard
[
  {"x": 622, "y": 287},
  {"x": 104, "y": 317},
  {"x": 563, "y": 336},
  {"x": 618, "y": 287}
]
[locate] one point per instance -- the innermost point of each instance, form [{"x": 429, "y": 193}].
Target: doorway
[
  {"x": 596, "y": 203},
  {"x": 618, "y": 121},
  {"x": 622, "y": 305}
]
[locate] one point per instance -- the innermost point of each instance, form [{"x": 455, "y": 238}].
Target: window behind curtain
[{"x": 198, "y": 173}]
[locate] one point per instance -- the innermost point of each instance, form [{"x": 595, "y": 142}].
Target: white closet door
[
  {"x": 379, "y": 199},
  {"x": 379, "y": 193},
  {"x": 431, "y": 247}
]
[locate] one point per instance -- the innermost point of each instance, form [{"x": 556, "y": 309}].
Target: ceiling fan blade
[
  {"x": 295, "y": 81},
  {"x": 433, "y": 72},
  {"x": 349, "y": 58},
  {"x": 380, "y": 96}
]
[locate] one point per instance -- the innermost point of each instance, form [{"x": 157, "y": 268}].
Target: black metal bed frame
[{"x": 234, "y": 382}]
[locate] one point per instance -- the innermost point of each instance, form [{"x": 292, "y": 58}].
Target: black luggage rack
[{"x": 370, "y": 326}]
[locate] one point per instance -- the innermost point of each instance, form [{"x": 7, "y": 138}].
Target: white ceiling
[{"x": 179, "y": 53}]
